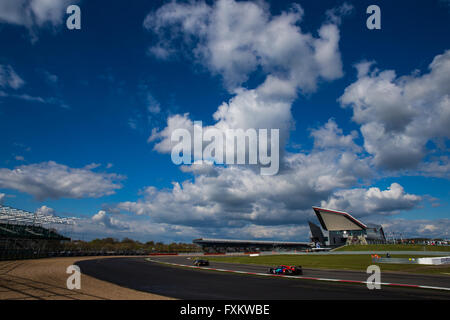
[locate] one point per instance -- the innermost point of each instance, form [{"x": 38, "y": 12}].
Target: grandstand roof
[
  {"x": 13, "y": 215},
  {"x": 230, "y": 241},
  {"x": 334, "y": 220}
]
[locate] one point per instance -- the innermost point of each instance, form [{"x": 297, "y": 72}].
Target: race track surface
[
  {"x": 184, "y": 283},
  {"x": 386, "y": 277}
]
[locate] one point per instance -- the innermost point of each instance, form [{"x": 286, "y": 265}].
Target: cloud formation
[
  {"x": 104, "y": 224},
  {"x": 331, "y": 136},
  {"x": 44, "y": 210},
  {"x": 363, "y": 202},
  {"x": 418, "y": 228},
  {"x": 145, "y": 229},
  {"x": 10, "y": 81},
  {"x": 234, "y": 38},
  {"x": 109, "y": 222},
  {"x": 236, "y": 196},
  {"x": 9, "y": 78},
  {"x": 34, "y": 14},
  {"x": 400, "y": 115},
  {"x": 50, "y": 180}
]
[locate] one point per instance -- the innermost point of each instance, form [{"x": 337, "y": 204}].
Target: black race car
[
  {"x": 286, "y": 270},
  {"x": 201, "y": 262}
]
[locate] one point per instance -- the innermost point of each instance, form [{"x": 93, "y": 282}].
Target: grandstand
[
  {"x": 26, "y": 234},
  {"x": 229, "y": 245},
  {"x": 340, "y": 228}
]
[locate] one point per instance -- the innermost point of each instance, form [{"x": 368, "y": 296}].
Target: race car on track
[
  {"x": 286, "y": 270},
  {"x": 201, "y": 262}
]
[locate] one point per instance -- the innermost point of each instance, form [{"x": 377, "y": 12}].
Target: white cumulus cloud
[
  {"x": 52, "y": 180},
  {"x": 400, "y": 115},
  {"x": 371, "y": 201},
  {"x": 233, "y": 38}
]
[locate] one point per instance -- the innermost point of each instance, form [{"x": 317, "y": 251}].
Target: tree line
[{"x": 127, "y": 244}]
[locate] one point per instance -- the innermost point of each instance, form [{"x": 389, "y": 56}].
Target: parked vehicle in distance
[
  {"x": 201, "y": 262},
  {"x": 286, "y": 270}
]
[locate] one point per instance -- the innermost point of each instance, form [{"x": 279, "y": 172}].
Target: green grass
[
  {"x": 393, "y": 247},
  {"x": 341, "y": 262}
]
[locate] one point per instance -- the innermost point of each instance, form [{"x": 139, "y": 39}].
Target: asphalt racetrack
[{"x": 187, "y": 283}]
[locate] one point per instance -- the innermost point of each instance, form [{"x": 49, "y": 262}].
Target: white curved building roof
[{"x": 334, "y": 220}]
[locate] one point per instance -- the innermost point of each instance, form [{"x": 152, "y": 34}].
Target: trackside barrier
[
  {"x": 425, "y": 261},
  {"x": 434, "y": 261},
  {"x": 203, "y": 254},
  {"x": 300, "y": 277}
]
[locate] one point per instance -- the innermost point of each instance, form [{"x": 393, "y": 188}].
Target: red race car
[{"x": 286, "y": 270}]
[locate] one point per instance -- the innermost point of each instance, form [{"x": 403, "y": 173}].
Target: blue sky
[{"x": 77, "y": 109}]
